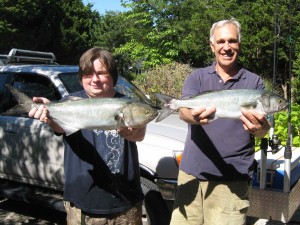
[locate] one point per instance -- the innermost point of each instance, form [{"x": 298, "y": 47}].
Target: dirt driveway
[{"x": 19, "y": 213}]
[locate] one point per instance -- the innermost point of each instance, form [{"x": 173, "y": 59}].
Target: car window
[
  {"x": 3, "y": 79},
  {"x": 70, "y": 81},
  {"x": 34, "y": 85},
  {"x": 3, "y": 100},
  {"x": 31, "y": 85}
]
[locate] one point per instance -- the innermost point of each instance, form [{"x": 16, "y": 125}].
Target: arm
[
  {"x": 133, "y": 134},
  {"x": 255, "y": 123},
  {"x": 42, "y": 114}
]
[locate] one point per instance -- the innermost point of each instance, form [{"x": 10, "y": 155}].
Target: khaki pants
[
  {"x": 132, "y": 216},
  {"x": 210, "y": 203}
]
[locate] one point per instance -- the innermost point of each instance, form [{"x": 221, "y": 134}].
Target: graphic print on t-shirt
[{"x": 110, "y": 145}]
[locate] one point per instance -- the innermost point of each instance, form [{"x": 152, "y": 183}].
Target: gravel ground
[
  {"x": 256, "y": 221},
  {"x": 21, "y": 213}
]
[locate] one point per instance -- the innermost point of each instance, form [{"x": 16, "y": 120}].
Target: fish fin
[
  {"x": 24, "y": 106},
  {"x": 166, "y": 99},
  {"x": 69, "y": 130},
  {"x": 166, "y": 110},
  {"x": 249, "y": 106},
  {"x": 66, "y": 127}
]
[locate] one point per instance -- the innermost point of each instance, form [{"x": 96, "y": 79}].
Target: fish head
[
  {"x": 273, "y": 103},
  {"x": 136, "y": 114}
]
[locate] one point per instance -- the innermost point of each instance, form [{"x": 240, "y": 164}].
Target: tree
[
  {"x": 142, "y": 35},
  {"x": 65, "y": 27},
  {"x": 158, "y": 32},
  {"x": 178, "y": 30},
  {"x": 110, "y": 34}
]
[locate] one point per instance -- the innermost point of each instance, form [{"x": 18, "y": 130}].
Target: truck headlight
[{"x": 177, "y": 156}]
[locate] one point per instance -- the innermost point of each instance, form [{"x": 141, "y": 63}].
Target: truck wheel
[{"x": 155, "y": 211}]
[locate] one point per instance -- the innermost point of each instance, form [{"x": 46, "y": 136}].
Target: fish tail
[
  {"x": 167, "y": 108},
  {"x": 24, "y": 106}
]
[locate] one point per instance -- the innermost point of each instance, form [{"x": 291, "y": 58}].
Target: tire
[{"x": 155, "y": 211}]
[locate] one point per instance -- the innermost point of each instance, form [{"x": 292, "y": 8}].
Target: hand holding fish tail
[
  {"x": 41, "y": 100},
  {"x": 41, "y": 113},
  {"x": 133, "y": 134},
  {"x": 255, "y": 123},
  {"x": 197, "y": 115}
]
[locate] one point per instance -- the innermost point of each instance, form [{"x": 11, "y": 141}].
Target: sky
[{"x": 105, "y": 5}]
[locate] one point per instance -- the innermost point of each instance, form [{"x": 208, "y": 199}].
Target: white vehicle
[{"x": 31, "y": 156}]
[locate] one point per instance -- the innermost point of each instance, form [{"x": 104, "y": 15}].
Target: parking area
[{"x": 19, "y": 213}]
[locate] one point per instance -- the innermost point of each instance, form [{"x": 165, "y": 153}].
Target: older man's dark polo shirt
[{"x": 221, "y": 150}]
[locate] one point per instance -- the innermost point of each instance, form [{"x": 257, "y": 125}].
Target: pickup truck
[{"x": 31, "y": 156}]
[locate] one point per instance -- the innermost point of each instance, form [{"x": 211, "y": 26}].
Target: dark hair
[{"x": 87, "y": 59}]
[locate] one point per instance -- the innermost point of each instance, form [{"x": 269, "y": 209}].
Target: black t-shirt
[{"x": 101, "y": 170}]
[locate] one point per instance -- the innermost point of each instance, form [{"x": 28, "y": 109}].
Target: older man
[{"x": 217, "y": 163}]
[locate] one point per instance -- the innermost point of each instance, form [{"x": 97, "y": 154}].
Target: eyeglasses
[{"x": 90, "y": 76}]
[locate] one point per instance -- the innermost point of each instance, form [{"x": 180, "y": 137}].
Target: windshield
[{"x": 70, "y": 81}]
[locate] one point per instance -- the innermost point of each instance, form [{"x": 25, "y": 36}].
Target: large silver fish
[
  {"x": 76, "y": 113},
  {"x": 228, "y": 103}
]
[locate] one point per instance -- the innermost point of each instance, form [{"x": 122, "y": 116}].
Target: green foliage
[
  {"x": 167, "y": 79},
  {"x": 110, "y": 35},
  {"x": 167, "y": 31},
  {"x": 65, "y": 27},
  {"x": 156, "y": 32},
  {"x": 296, "y": 80},
  {"x": 162, "y": 33},
  {"x": 281, "y": 127},
  {"x": 110, "y": 30},
  {"x": 147, "y": 45}
]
